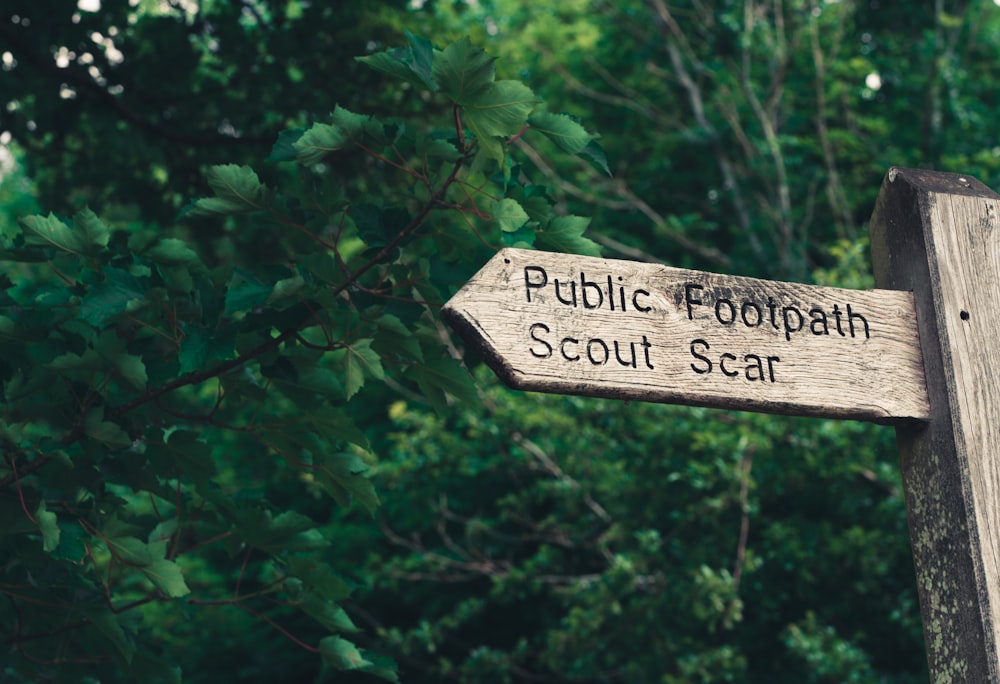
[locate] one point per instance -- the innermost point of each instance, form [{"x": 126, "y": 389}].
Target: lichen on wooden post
[{"x": 937, "y": 235}]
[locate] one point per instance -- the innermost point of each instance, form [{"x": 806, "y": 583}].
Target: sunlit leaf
[
  {"x": 49, "y": 526},
  {"x": 563, "y": 130},
  {"x": 509, "y": 214},
  {"x": 565, "y": 234},
  {"x": 87, "y": 236},
  {"x": 342, "y": 654},
  {"x": 167, "y": 576},
  {"x": 237, "y": 189},
  {"x": 412, "y": 64}
]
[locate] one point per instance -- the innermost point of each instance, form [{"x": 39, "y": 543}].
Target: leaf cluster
[
  {"x": 171, "y": 423},
  {"x": 556, "y": 537}
]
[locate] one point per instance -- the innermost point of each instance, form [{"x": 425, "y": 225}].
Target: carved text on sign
[{"x": 603, "y": 327}]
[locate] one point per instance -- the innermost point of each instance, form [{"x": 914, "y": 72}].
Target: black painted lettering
[
  {"x": 708, "y": 364},
  {"x": 719, "y": 303},
  {"x": 535, "y": 328},
  {"x": 635, "y": 301},
  {"x": 850, "y": 319},
  {"x": 771, "y": 360},
  {"x": 586, "y": 285},
  {"x": 818, "y": 324},
  {"x": 606, "y": 353},
  {"x": 786, "y": 319},
  {"x": 689, "y": 300},
  {"x": 621, "y": 293},
  {"x": 836, "y": 315},
  {"x": 562, "y": 348},
  {"x": 754, "y": 364},
  {"x": 611, "y": 296},
  {"x": 646, "y": 347},
  {"x": 572, "y": 289},
  {"x": 722, "y": 365},
  {"x": 618, "y": 355},
  {"x": 539, "y": 282},
  {"x": 758, "y": 316},
  {"x": 771, "y": 307}
]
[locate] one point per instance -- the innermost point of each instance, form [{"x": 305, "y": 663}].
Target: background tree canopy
[{"x": 238, "y": 443}]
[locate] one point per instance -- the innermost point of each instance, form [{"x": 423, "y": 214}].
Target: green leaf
[
  {"x": 49, "y": 525},
  {"x": 237, "y": 189},
  {"x": 444, "y": 375},
  {"x": 319, "y": 141},
  {"x": 95, "y": 427},
  {"x": 342, "y": 476},
  {"x": 246, "y": 292},
  {"x": 411, "y": 64},
  {"x": 500, "y": 110},
  {"x": 72, "y": 542},
  {"x": 201, "y": 346},
  {"x": 119, "y": 293},
  {"x": 563, "y": 130},
  {"x": 395, "y": 340},
  {"x": 522, "y": 237},
  {"x": 133, "y": 551},
  {"x": 326, "y": 613},
  {"x": 435, "y": 148},
  {"x": 319, "y": 577},
  {"x": 132, "y": 370},
  {"x": 289, "y": 531},
  {"x": 89, "y": 360},
  {"x": 285, "y": 291},
  {"x": 597, "y": 155},
  {"x": 565, "y": 234},
  {"x": 183, "y": 453},
  {"x": 322, "y": 139},
  {"x": 491, "y": 149},
  {"x": 337, "y": 425},
  {"x": 87, "y": 237},
  {"x": 360, "y": 360},
  {"x": 463, "y": 71},
  {"x": 509, "y": 214},
  {"x": 342, "y": 654},
  {"x": 167, "y": 576},
  {"x": 109, "y": 354},
  {"x": 171, "y": 251},
  {"x": 378, "y": 226},
  {"x": 353, "y": 125},
  {"x": 284, "y": 147},
  {"x": 421, "y": 60},
  {"x": 91, "y": 232},
  {"x": 106, "y": 622}
]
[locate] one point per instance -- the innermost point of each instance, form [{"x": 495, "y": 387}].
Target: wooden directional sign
[{"x": 601, "y": 327}]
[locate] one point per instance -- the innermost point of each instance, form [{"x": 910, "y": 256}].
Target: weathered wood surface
[
  {"x": 939, "y": 236},
  {"x": 600, "y": 327}
]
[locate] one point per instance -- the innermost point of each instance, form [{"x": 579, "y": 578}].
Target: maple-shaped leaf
[{"x": 463, "y": 71}]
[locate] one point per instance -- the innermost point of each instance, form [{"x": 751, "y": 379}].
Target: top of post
[{"x": 937, "y": 181}]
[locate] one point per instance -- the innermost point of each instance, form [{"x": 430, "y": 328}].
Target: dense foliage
[
  {"x": 240, "y": 446},
  {"x": 143, "y": 389}
]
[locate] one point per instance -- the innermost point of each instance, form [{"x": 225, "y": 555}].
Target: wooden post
[{"x": 938, "y": 235}]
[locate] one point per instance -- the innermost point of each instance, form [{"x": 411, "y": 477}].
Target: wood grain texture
[
  {"x": 937, "y": 235},
  {"x": 601, "y": 327}
]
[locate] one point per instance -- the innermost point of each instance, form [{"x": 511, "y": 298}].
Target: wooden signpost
[{"x": 923, "y": 353}]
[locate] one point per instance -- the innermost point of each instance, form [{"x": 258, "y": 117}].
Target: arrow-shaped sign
[{"x": 601, "y": 327}]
